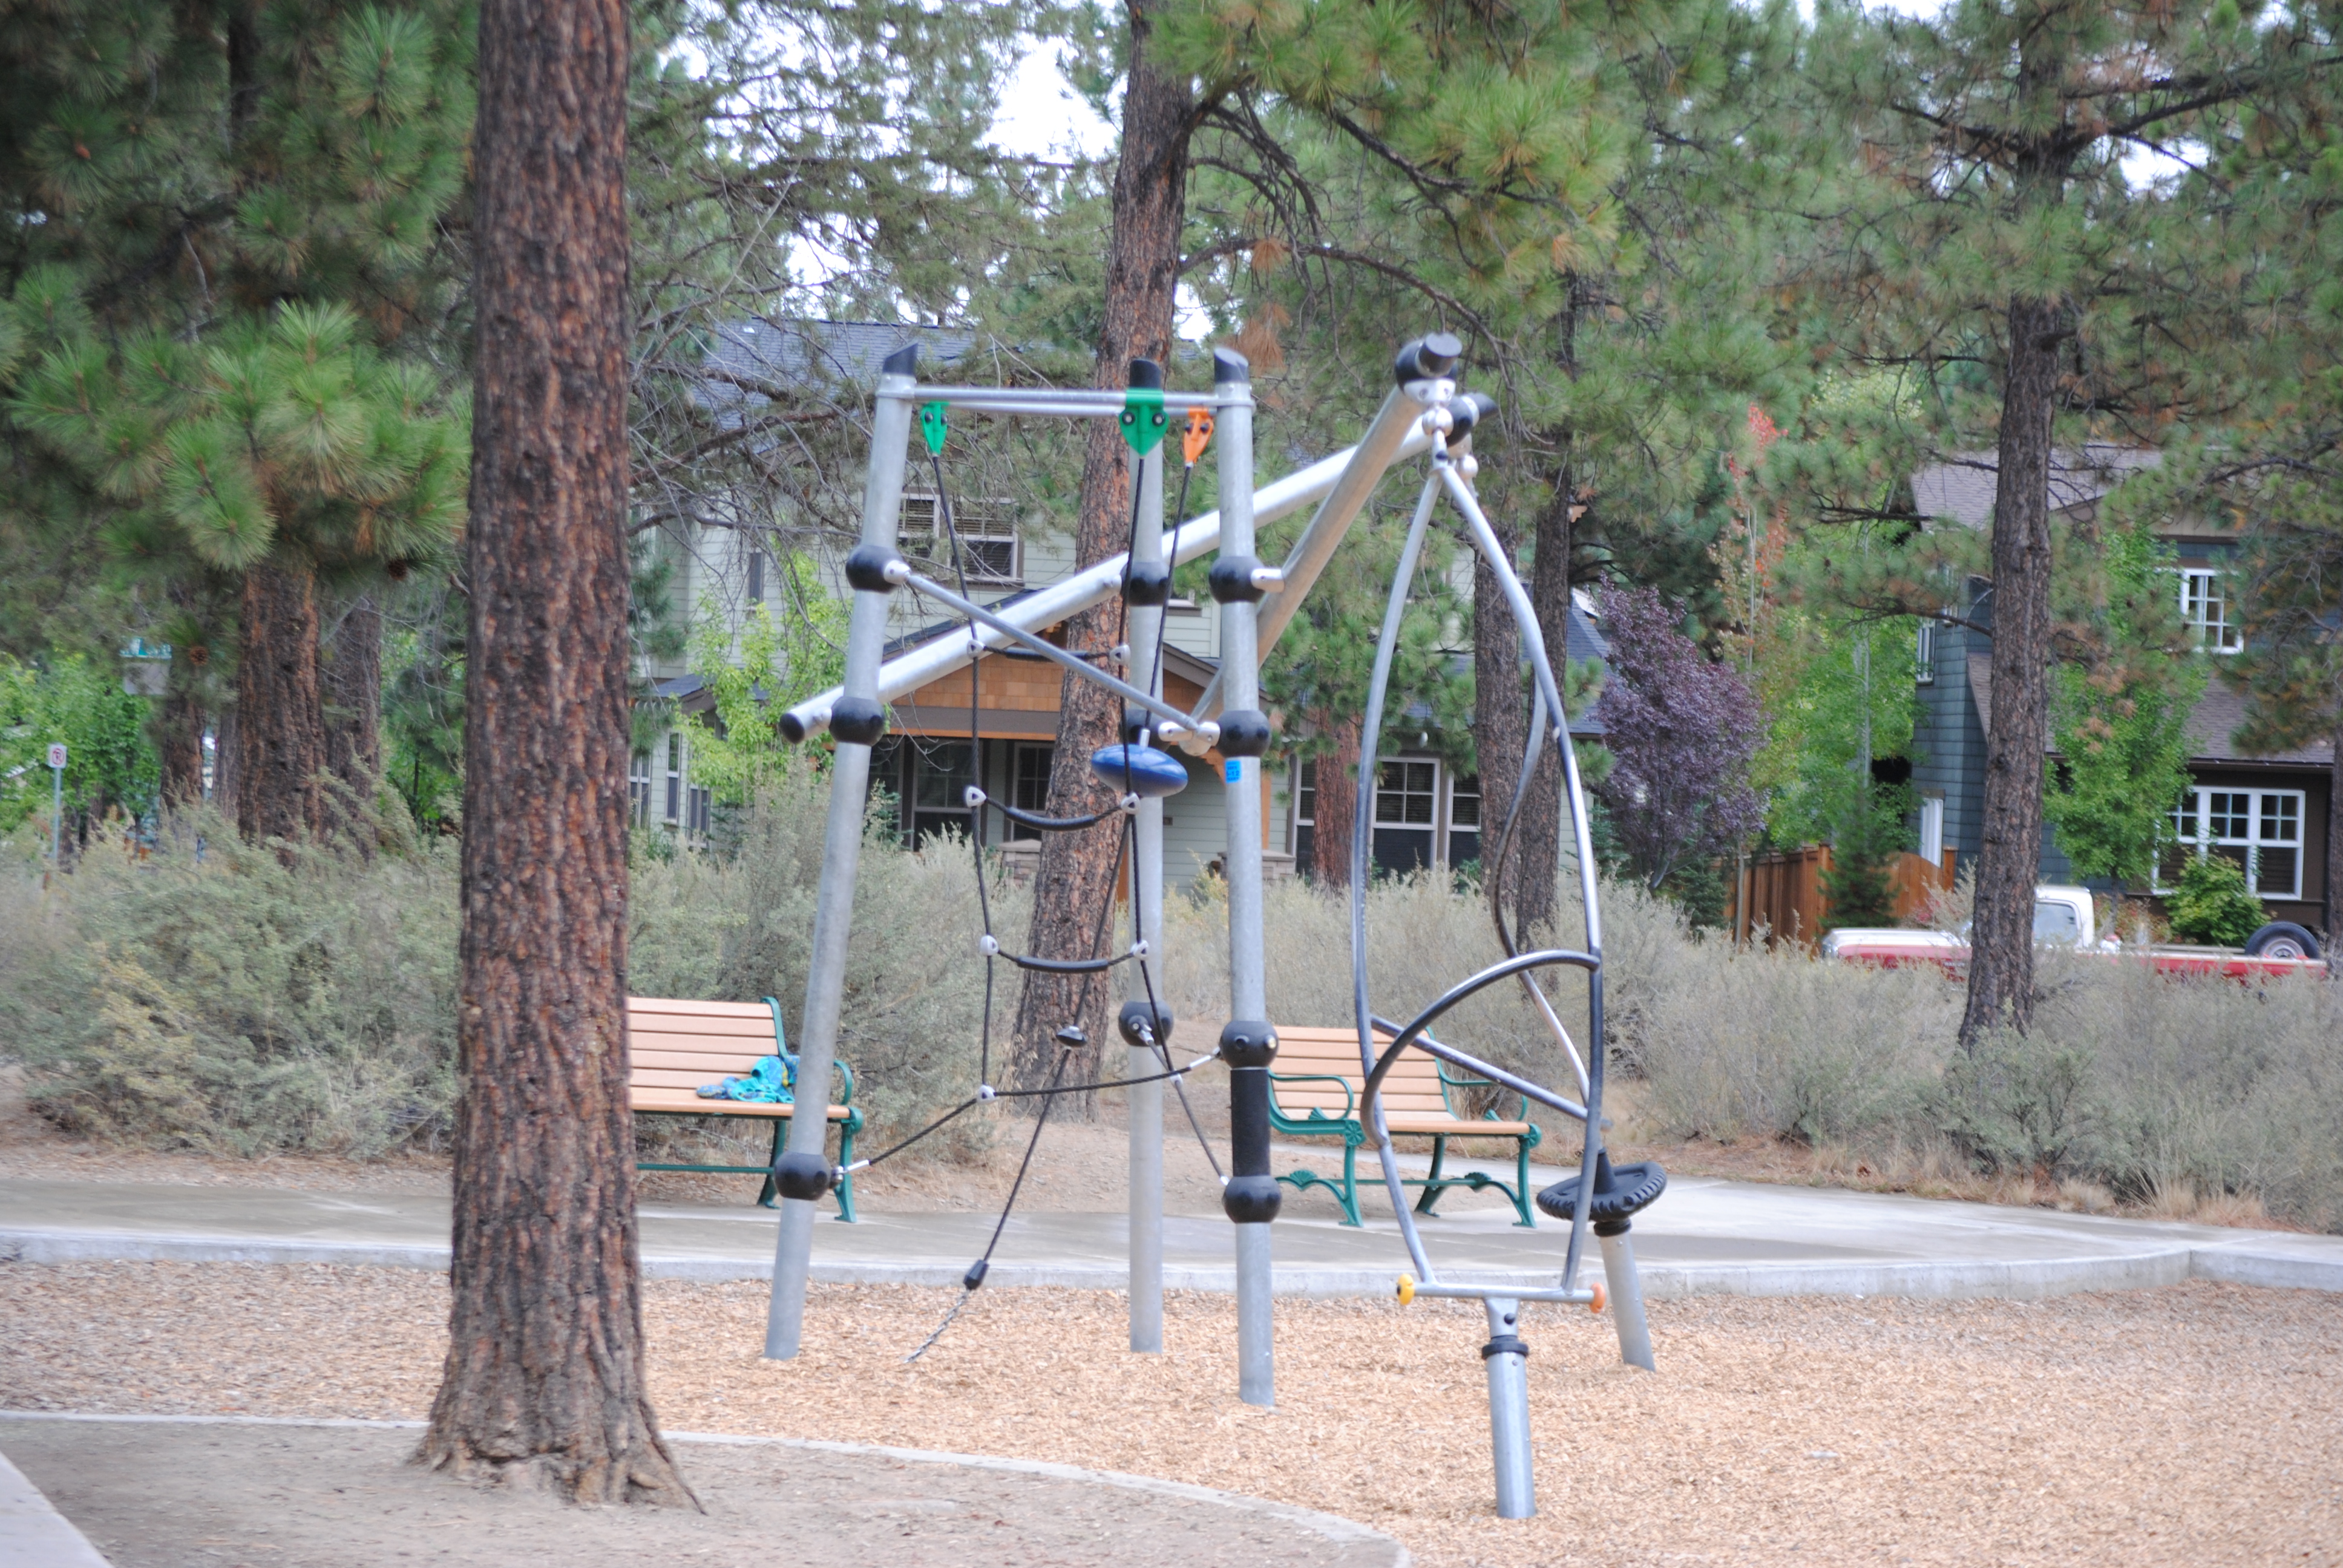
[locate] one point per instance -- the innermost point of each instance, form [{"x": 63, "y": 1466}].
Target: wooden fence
[{"x": 1782, "y": 894}]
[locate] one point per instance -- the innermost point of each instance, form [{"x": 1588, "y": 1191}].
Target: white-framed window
[
  {"x": 1464, "y": 819},
  {"x": 1407, "y": 813},
  {"x": 1925, "y": 669},
  {"x": 638, "y": 788},
  {"x": 1029, "y": 782},
  {"x": 674, "y": 802},
  {"x": 1931, "y": 829},
  {"x": 1305, "y": 812},
  {"x": 697, "y": 802},
  {"x": 756, "y": 575},
  {"x": 2205, "y": 607},
  {"x": 990, "y": 549},
  {"x": 2260, "y": 829}
]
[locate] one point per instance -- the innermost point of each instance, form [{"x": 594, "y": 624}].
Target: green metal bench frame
[
  {"x": 847, "y": 1126},
  {"x": 1348, "y": 1127}
]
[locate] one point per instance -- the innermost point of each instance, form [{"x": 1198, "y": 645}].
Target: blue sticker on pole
[{"x": 1235, "y": 766}]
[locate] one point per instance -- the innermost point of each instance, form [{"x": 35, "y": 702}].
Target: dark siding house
[{"x": 2269, "y": 813}]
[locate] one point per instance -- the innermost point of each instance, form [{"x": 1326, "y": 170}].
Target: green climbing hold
[
  {"x": 932, "y": 428},
  {"x": 1143, "y": 418}
]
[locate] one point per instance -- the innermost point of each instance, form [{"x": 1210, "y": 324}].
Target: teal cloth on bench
[{"x": 773, "y": 1081}]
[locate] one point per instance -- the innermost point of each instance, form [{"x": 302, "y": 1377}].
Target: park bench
[
  {"x": 1314, "y": 1091},
  {"x": 677, "y": 1046}
]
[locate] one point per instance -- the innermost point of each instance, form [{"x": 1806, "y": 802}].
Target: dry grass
[{"x": 2200, "y": 1424}]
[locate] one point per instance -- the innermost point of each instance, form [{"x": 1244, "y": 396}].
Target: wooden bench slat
[
  {"x": 660, "y": 1004},
  {"x": 668, "y": 1099}
]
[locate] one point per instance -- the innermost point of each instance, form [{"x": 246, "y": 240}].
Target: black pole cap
[
  {"x": 1620, "y": 1192},
  {"x": 1137, "y": 1014},
  {"x": 1251, "y": 1199},
  {"x": 1244, "y": 732},
  {"x": 1229, "y": 366},
  {"x": 1248, "y": 1043},
  {"x": 857, "y": 719},
  {"x": 1468, "y": 411},
  {"x": 1147, "y": 586},
  {"x": 904, "y": 361},
  {"x": 801, "y": 1175},
  {"x": 1146, "y": 373},
  {"x": 1433, "y": 355}
]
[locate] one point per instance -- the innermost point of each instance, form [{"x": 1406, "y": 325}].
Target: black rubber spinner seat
[{"x": 1621, "y": 1191}]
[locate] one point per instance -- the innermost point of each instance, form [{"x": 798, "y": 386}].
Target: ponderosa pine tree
[
  {"x": 1981, "y": 238},
  {"x": 238, "y": 227}
]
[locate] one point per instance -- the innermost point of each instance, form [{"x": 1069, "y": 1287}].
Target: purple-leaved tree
[{"x": 1682, "y": 730}]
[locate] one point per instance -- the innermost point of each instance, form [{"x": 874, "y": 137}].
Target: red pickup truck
[{"x": 2067, "y": 916}]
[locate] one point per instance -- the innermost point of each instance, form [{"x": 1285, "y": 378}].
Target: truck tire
[{"x": 2281, "y": 939}]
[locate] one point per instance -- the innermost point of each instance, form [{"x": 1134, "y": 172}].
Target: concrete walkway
[{"x": 1704, "y": 1237}]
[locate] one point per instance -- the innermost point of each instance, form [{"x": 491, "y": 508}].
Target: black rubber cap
[
  {"x": 1136, "y": 1013},
  {"x": 1251, "y": 1199},
  {"x": 801, "y": 1175},
  {"x": 1147, "y": 586},
  {"x": 1136, "y": 722},
  {"x": 1248, "y": 1043},
  {"x": 1619, "y": 1190},
  {"x": 1244, "y": 732},
  {"x": 792, "y": 726},
  {"x": 975, "y": 1275},
  {"x": 857, "y": 719},
  {"x": 1468, "y": 411},
  {"x": 904, "y": 361},
  {"x": 865, "y": 568},
  {"x": 1231, "y": 579},
  {"x": 1229, "y": 366},
  {"x": 1435, "y": 353},
  {"x": 1146, "y": 373},
  {"x": 1506, "y": 1345}
]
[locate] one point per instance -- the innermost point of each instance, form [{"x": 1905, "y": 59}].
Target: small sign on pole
[{"x": 56, "y": 806}]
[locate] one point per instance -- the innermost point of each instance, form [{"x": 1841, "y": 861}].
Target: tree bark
[
  {"x": 1074, "y": 881},
  {"x": 280, "y": 733},
  {"x": 2001, "y": 940},
  {"x": 1541, "y": 833},
  {"x": 1338, "y": 802},
  {"x": 1499, "y": 714},
  {"x": 179, "y": 745},
  {"x": 544, "y": 1383},
  {"x": 349, "y": 680}
]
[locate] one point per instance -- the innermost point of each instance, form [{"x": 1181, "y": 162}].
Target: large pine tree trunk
[
  {"x": 1499, "y": 717},
  {"x": 1540, "y": 838},
  {"x": 1075, "y": 878},
  {"x": 1338, "y": 802},
  {"x": 349, "y": 680},
  {"x": 279, "y": 731},
  {"x": 2001, "y": 939},
  {"x": 544, "y": 1379}
]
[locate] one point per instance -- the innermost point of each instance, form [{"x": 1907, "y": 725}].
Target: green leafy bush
[{"x": 2212, "y": 904}]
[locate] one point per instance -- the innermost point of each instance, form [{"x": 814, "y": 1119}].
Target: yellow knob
[{"x": 1406, "y": 1289}]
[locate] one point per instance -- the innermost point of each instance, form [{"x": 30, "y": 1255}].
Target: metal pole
[
  {"x": 1507, "y": 1359},
  {"x": 57, "y": 811},
  {"x": 857, "y": 721},
  {"x": 1249, "y": 1044},
  {"x": 1627, "y": 1295},
  {"x": 1145, "y": 1100}
]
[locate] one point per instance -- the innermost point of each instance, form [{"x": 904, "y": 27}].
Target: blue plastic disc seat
[{"x": 1140, "y": 771}]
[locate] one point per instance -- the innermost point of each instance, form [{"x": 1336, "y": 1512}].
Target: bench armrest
[
  {"x": 781, "y": 1044},
  {"x": 1470, "y": 1079},
  {"x": 1350, "y": 1096}
]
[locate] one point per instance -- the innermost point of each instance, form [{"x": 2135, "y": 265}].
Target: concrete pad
[
  {"x": 168, "y": 1490},
  {"x": 33, "y": 1534},
  {"x": 1704, "y": 1237}
]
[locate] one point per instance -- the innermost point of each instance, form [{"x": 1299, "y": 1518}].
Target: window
[
  {"x": 1029, "y": 783},
  {"x": 2054, "y": 921},
  {"x": 697, "y": 802},
  {"x": 674, "y": 778},
  {"x": 2205, "y": 607},
  {"x": 2260, "y": 829},
  {"x": 1305, "y": 812},
  {"x": 1407, "y": 797},
  {"x": 940, "y": 775},
  {"x": 1931, "y": 829},
  {"x": 990, "y": 551},
  {"x": 638, "y": 788},
  {"x": 1465, "y": 821},
  {"x": 755, "y": 577},
  {"x": 1927, "y": 672}
]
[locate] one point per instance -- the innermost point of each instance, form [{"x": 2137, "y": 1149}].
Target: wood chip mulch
[{"x": 2199, "y": 1424}]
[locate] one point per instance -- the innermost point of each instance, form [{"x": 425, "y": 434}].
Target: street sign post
[{"x": 56, "y": 806}]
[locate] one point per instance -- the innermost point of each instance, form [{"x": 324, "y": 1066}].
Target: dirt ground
[
  {"x": 256, "y": 1496},
  {"x": 2201, "y": 1424}
]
